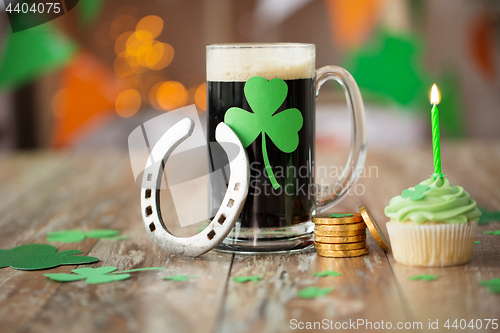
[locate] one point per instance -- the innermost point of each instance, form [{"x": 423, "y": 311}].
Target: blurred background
[{"x": 86, "y": 79}]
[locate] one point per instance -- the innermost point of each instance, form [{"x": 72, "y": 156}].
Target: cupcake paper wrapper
[{"x": 433, "y": 245}]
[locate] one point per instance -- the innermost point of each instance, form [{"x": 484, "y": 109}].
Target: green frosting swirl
[{"x": 441, "y": 203}]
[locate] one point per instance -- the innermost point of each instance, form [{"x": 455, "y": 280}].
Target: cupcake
[{"x": 432, "y": 224}]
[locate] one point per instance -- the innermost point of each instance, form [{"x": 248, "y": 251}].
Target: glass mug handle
[{"x": 330, "y": 195}]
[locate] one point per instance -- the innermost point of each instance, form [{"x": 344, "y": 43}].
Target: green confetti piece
[
  {"x": 72, "y": 236},
  {"x": 416, "y": 194},
  {"x": 327, "y": 273},
  {"x": 338, "y": 215},
  {"x": 264, "y": 98},
  {"x": 477, "y": 242},
  {"x": 40, "y": 256},
  {"x": 493, "y": 285},
  {"x": 243, "y": 279},
  {"x": 66, "y": 236},
  {"x": 313, "y": 292},
  {"x": 424, "y": 277},
  {"x": 495, "y": 232},
  {"x": 98, "y": 275},
  {"x": 488, "y": 216},
  {"x": 180, "y": 277}
]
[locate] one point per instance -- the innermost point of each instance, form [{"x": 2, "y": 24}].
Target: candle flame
[{"x": 435, "y": 97}]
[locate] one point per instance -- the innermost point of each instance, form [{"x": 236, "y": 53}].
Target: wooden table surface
[{"x": 42, "y": 192}]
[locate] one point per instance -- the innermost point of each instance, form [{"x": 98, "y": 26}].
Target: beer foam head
[{"x": 239, "y": 62}]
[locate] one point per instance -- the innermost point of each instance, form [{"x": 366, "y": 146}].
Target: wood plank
[{"x": 365, "y": 290}]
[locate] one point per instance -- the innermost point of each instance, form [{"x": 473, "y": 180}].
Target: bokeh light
[
  {"x": 153, "y": 96},
  {"x": 151, "y": 23},
  {"x": 144, "y": 35},
  {"x": 166, "y": 54},
  {"x": 137, "y": 52},
  {"x": 133, "y": 44},
  {"x": 128, "y": 103},
  {"x": 121, "y": 43},
  {"x": 171, "y": 95},
  {"x": 200, "y": 97}
]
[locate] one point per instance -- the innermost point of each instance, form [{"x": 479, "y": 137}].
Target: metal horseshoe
[{"x": 228, "y": 212}]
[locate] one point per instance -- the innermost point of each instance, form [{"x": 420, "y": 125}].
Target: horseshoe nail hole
[
  {"x": 150, "y": 176},
  {"x": 211, "y": 234},
  {"x": 148, "y": 194},
  {"x": 221, "y": 219},
  {"x": 237, "y": 186},
  {"x": 149, "y": 210},
  {"x": 152, "y": 227},
  {"x": 230, "y": 203}
]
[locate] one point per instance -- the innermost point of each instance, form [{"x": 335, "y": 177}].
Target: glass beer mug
[{"x": 266, "y": 93}]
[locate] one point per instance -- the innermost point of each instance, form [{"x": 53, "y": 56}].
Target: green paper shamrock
[
  {"x": 72, "y": 236},
  {"x": 40, "y": 256},
  {"x": 243, "y": 279},
  {"x": 416, "y": 194},
  {"x": 424, "y": 277},
  {"x": 493, "y": 285},
  {"x": 180, "y": 277},
  {"x": 312, "y": 292},
  {"x": 340, "y": 215},
  {"x": 327, "y": 273},
  {"x": 264, "y": 98},
  {"x": 388, "y": 58},
  {"x": 97, "y": 275},
  {"x": 495, "y": 233},
  {"x": 488, "y": 216}
]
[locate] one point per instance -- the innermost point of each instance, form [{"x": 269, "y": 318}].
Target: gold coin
[
  {"x": 339, "y": 240},
  {"x": 322, "y": 232},
  {"x": 339, "y": 247},
  {"x": 341, "y": 227},
  {"x": 343, "y": 254},
  {"x": 325, "y": 219},
  {"x": 375, "y": 230}
]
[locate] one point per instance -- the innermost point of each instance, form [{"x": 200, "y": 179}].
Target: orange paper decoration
[
  {"x": 85, "y": 101},
  {"x": 352, "y": 22}
]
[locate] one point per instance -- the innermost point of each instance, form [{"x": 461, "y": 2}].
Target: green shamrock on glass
[
  {"x": 282, "y": 128},
  {"x": 266, "y": 93}
]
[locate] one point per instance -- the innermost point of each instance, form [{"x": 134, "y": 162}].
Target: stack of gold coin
[{"x": 340, "y": 235}]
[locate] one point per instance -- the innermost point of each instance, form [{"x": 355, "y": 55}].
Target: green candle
[{"x": 436, "y": 144}]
